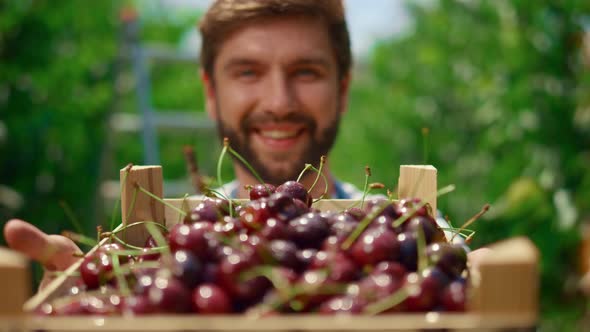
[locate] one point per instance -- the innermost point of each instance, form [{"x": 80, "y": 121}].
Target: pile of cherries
[{"x": 276, "y": 254}]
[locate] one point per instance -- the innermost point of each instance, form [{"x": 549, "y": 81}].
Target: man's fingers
[{"x": 53, "y": 251}]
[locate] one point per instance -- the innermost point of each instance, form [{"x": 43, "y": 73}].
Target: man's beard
[{"x": 319, "y": 144}]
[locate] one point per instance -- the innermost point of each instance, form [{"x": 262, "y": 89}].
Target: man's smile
[{"x": 279, "y": 137}]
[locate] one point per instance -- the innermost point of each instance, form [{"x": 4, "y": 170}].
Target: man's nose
[{"x": 279, "y": 95}]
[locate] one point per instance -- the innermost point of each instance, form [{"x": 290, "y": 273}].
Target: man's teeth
[{"x": 278, "y": 134}]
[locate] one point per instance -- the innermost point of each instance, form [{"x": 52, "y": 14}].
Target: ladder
[{"x": 149, "y": 121}]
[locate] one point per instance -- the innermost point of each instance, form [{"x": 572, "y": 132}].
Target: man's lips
[{"x": 279, "y": 137}]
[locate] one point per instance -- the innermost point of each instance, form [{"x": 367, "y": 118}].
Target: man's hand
[{"x": 54, "y": 252}]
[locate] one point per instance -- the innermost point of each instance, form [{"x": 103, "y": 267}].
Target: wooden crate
[{"x": 503, "y": 288}]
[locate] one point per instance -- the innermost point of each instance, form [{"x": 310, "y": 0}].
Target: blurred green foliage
[
  {"x": 503, "y": 91},
  {"x": 502, "y": 88}
]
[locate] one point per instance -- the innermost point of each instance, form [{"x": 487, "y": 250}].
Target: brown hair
[{"x": 225, "y": 16}]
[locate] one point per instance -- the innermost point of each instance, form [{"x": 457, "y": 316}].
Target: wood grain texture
[
  {"x": 15, "y": 282},
  {"x": 137, "y": 205},
  {"x": 418, "y": 181}
]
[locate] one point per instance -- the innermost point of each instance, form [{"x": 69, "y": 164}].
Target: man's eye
[
  {"x": 246, "y": 73},
  {"x": 307, "y": 73}
]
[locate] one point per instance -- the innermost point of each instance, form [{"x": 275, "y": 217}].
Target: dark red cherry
[
  {"x": 96, "y": 269},
  {"x": 408, "y": 250},
  {"x": 284, "y": 208},
  {"x": 453, "y": 296},
  {"x": 169, "y": 295},
  {"x": 255, "y": 214},
  {"x": 309, "y": 230},
  {"x": 295, "y": 190},
  {"x": 209, "y": 210},
  {"x": 427, "y": 225},
  {"x": 284, "y": 253},
  {"x": 340, "y": 267},
  {"x": 210, "y": 299},
  {"x": 450, "y": 258},
  {"x": 138, "y": 305},
  {"x": 231, "y": 277},
  {"x": 375, "y": 245},
  {"x": 261, "y": 190},
  {"x": 187, "y": 268},
  {"x": 274, "y": 229},
  {"x": 193, "y": 237}
]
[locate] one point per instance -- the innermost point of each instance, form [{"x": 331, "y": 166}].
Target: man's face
[{"x": 277, "y": 96}]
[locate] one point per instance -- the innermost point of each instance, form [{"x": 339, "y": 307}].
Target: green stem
[
  {"x": 245, "y": 163},
  {"x": 71, "y": 216},
  {"x": 367, "y": 175},
  {"x": 399, "y": 221},
  {"x": 122, "y": 283},
  {"x": 132, "y": 205},
  {"x": 387, "y": 302},
  {"x": 160, "y": 241},
  {"x": 79, "y": 238},
  {"x": 362, "y": 226},
  {"x": 322, "y": 162},
  {"x": 118, "y": 201},
  {"x": 305, "y": 169},
  {"x": 161, "y": 200},
  {"x": 421, "y": 242}
]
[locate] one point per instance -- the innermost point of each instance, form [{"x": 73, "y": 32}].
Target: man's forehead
[{"x": 290, "y": 39}]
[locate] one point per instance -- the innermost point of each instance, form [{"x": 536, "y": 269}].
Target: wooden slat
[
  {"x": 310, "y": 323},
  {"x": 15, "y": 282},
  {"x": 137, "y": 205},
  {"x": 418, "y": 181},
  {"x": 507, "y": 280}
]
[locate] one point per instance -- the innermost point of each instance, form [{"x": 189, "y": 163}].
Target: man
[{"x": 276, "y": 76}]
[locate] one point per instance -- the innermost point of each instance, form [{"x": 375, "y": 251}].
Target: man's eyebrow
[
  {"x": 236, "y": 62},
  {"x": 321, "y": 61}
]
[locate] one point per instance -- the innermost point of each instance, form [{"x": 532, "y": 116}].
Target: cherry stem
[
  {"x": 160, "y": 241},
  {"x": 133, "y": 199},
  {"x": 61, "y": 273},
  {"x": 122, "y": 283},
  {"x": 118, "y": 201},
  {"x": 363, "y": 224},
  {"x": 79, "y": 238},
  {"x": 183, "y": 207},
  {"x": 473, "y": 219},
  {"x": 421, "y": 242},
  {"x": 310, "y": 166},
  {"x": 366, "y": 186},
  {"x": 160, "y": 200},
  {"x": 387, "y": 302},
  {"x": 319, "y": 171},
  {"x": 270, "y": 273},
  {"x": 305, "y": 169},
  {"x": 443, "y": 191},
  {"x": 71, "y": 216},
  {"x": 246, "y": 163}
]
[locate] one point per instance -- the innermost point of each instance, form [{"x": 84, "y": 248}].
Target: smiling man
[{"x": 276, "y": 76}]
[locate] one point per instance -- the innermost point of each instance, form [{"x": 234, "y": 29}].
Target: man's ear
[
  {"x": 344, "y": 86},
  {"x": 209, "y": 89}
]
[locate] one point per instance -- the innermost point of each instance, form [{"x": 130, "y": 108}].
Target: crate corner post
[
  {"x": 139, "y": 186},
  {"x": 15, "y": 281},
  {"x": 418, "y": 181}
]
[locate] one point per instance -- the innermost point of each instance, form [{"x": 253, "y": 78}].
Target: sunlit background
[{"x": 495, "y": 94}]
